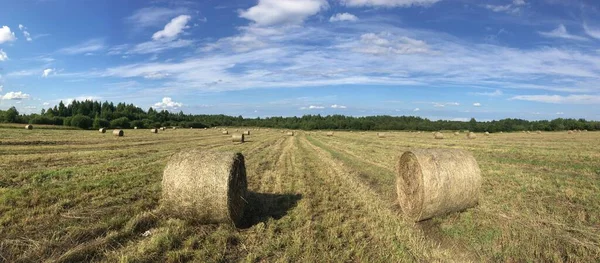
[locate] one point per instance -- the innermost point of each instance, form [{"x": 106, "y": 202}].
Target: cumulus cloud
[
  {"x": 477, "y": 104},
  {"x": 386, "y": 44},
  {"x": 561, "y": 32},
  {"x": 173, "y": 28},
  {"x": 3, "y": 55},
  {"x": 335, "y": 106},
  {"x": 558, "y": 99},
  {"x": 343, "y": 17},
  {"x": 168, "y": 104},
  {"x": 15, "y": 96},
  {"x": 91, "y": 45},
  {"x": 272, "y": 12},
  {"x": 6, "y": 35},
  {"x": 388, "y": 3},
  {"x": 47, "y": 72}
]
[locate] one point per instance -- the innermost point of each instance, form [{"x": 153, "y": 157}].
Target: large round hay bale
[
  {"x": 135, "y": 128},
  {"x": 154, "y": 130},
  {"x": 438, "y": 135},
  {"x": 570, "y": 132},
  {"x": 290, "y": 133},
  {"x": 381, "y": 135},
  {"x": 329, "y": 134},
  {"x": 237, "y": 137},
  {"x": 102, "y": 130},
  {"x": 225, "y": 132},
  {"x": 487, "y": 134},
  {"x": 434, "y": 182},
  {"x": 205, "y": 186},
  {"x": 247, "y": 132},
  {"x": 118, "y": 133},
  {"x": 471, "y": 135},
  {"x": 455, "y": 133},
  {"x": 29, "y": 127}
]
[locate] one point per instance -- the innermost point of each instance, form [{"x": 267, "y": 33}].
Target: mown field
[{"x": 72, "y": 195}]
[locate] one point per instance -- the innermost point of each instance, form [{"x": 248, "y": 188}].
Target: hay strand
[
  {"x": 434, "y": 182},
  {"x": 205, "y": 186}
]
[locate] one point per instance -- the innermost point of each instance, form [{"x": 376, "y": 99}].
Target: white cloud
[
  {"x": 156, "y": 75},
  {"x": 153, "y": 16},
  {"x": 15, "y": 96},
  {"x": 335, "y": 106},
  {"x": 477, "y": 104},
  {"x": 386, "y": 44},
  {"x": 416, "y": 109},
  {"x": 272, "y": 12},
  {"x": 25, "y": 33},
  {"x": 592, "y": 32},
  {"x": 1, "y": 87},
  {"x": 519, "y": 2},
  {"x": 173, "y": 28},
  {"x": 6, "y": 35},
  {"x": 560, "y": 113},
  {"x": 21, "y": 27},
  {"x": 444, "y": 104},
  {"x": 389, "y": 3},
  {"x": 30, "y": 107},
  {"x": 557, "y": 99},
  {"x": 167, "y": 103},
  {"x": 312, "y": 107},
  {"x": 46, "y": 103},
  {"x": 3, "y": 55},
  {"x": 47, "y": 72},
  {"x": 80, "y": 98},
  {"x": 495, "y": 93},
  {"x": 561, "y": 32},
  {"x": 159, "y": 46},
  {"x": 343, "y": 17},
  {"x": 91, "y": 45},
  {"x": 513, "y": 8}
]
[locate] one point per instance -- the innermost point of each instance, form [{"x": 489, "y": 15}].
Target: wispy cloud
[
  {"x": 592, "y": 32},
  {"x": 388, "y": 3},
  {"x": 336, "y": 106},
  {"x": 312, "y": 107},
  {"x": 339, "y": 17},
  {"x": 47, "y": 72},
  {"x": 561, "y": 32},
  {"x": 558, "y": 99},
  {"x": 154, "y": 16},
  {"x": 91, "y": 45},
  {"x": 513, "y": 8},
  {"x": 495, "y": 93},
  {"x": 3, "y": 55},
  {"x": 173, "y": 28},
  {"x": 477, "y": 104}
]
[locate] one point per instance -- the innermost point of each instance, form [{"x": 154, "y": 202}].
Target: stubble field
[{"x": 72, "y": 195}]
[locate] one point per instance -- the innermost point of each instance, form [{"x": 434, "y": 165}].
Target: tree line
[{"x": 94, "y": 114}]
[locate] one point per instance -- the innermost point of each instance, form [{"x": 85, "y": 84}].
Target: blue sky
[{"x": 439, "y": 59}]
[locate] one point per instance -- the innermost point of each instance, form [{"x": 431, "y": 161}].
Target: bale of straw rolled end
[
  {"x": 329, "y": 134},
  {"x": 471, "y": 135},
  {"x": 154, "y": 130},
  {"x": 205, "y": 187},
  {"x": 29, "y": 127},
  {"x": 435, "y": 182},
  {"x": 246, "y": 133},
  {"x": 118, "y": 133},
  {"x": 438, "y": 135},
  {"x": 237, "y": 138},
  {"x": 102, "y": 130},
  {"x": 381, "y": 135},
  {"x": 290, "y": 133}
]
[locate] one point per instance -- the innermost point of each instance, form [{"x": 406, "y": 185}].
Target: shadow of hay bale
[{"x": 263, "y": 206}]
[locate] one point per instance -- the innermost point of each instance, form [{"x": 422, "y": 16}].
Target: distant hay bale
[
  {"x": 118, "y": 133},
  {"x": 570, "y": 132},
  {"x": 247, "y": 132},
  {"x": 438, "y": 135},
  {"x": 471, "y": 135},
  {"x": 501, "y": 132},
  {"x": 205, "y": 187},
  {"x": 237, "y": 137},
  {"x": 135, "y": 128},
  {"x": 174, "y": 128},
  {"x": 154, "y": 130},
  {"x": 487, "y": 134},
  {"x": 455, "y": 133},
  {"x": 538, "y": 132},
  {"x": 435, "y": 182},
  {"x": 29, "y": 127},
  {"x": 290, "y": 133},
  {"x": 162, "y": 128},
  {"x": 584, "y": 130},
  {"x": 381, "y": 135},
  {"x": 102, "y": 130},
  {"x": 528, "y": 132},
  {"x": 329, "y": 134},
  {"x": 225, "y": 132}
]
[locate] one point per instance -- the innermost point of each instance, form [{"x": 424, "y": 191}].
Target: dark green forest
[{"x": 95, "y": 114}]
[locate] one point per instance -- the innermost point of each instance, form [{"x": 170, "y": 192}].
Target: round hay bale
[
  {"x": 435, "y": 182},
  {"x": 487, "y": 134},
  {"x": 438, "y": 135},
  {"x": 538, "y": 132},
  {"x": 225, "y": 132},
  {"x": 174, "y": 128},
  {"x": 154, "y": 130},
  {"x": 501, "y": 132},
  {"x": 329, "y": 134},
  {"x": 29, "y": 127},
  {"x": 102, "y": 130},
  {"x": 162, "y": 128},
  {"x": 455, "y": 133},
  {"x": 135, "y": 128},
  {"x": 290, "y": 133},
  {"x": 237, "y": 138},
  {"x": 247, "y": 132},
  {"x": 118, "y": 133},
  {"x": 205, "y": 186},
  {"x": 528, "y": 132},
  {"x": 570, "y": 132},
  {"x": 471, "y": 135},
  {"x": 381, "y": 135}
]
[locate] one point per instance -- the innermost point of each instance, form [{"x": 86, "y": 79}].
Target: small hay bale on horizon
[
  {"x": 237, "y": 138},
  {"x": 135, "y": 128},
  {"x": 570, "y": 132},
  {"x": 118, "y": 133},
  {"x": 290, "y": 133},
  {"x": 246, "y": 132},
  {"x": 102, "y": 130},
  {"x": 438, "y": 135},
  {"x": 225, "y": 132},
  {"x": 205, "y": 187},
  {"x": 329, "y": 134},
  {"x": 435, "y": 182},
  {"x": 471, "y": 135},
  {"x": 455, "y": 133},
  {"x": 538, "y": 132},
  {"x": 154, "y": 130},
  {"x": 381, "y": 135},
  {"x": 29, "y": 127},
  {"x": 487, "y": 134}
]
